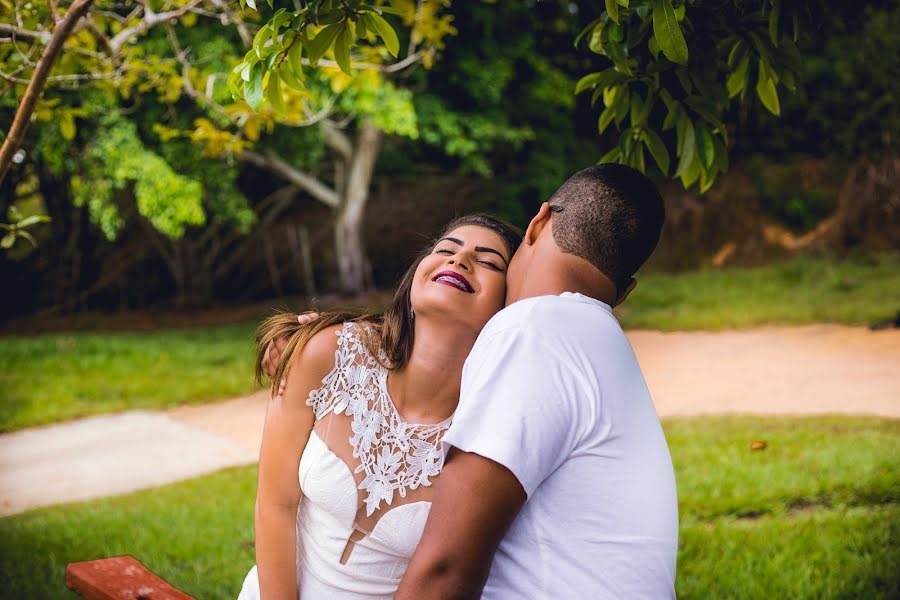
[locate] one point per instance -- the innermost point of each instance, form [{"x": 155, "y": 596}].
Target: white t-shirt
[{"x": 553, "y": 392}]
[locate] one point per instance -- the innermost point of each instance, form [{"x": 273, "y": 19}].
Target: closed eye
[{"x": 490, "y": 265}]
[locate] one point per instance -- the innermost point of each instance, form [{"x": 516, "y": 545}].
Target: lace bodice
[{"x": 393, "y": 455}]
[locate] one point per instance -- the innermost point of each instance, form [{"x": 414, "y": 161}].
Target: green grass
[
  {"x": 63, "y": 376},
  {"x": 57, "y": 377},
  {"x": 815, "y": 515},
  {"x": 856, "y": 291}
]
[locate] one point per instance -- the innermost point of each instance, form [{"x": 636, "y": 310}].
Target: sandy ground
[{"x": 798, "y": 370}]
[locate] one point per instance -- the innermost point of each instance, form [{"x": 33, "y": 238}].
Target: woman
[{"x": 365, "y": 403}]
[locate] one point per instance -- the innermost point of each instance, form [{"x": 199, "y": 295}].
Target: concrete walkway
[{"x": 798, "y": 370}]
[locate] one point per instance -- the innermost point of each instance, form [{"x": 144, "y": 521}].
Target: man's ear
[
  {"x": 540, "y": 220},
  {"x": 632, "y": 283}
]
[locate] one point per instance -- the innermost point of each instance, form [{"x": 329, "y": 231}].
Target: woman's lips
[{"x": 455, "y": 280}]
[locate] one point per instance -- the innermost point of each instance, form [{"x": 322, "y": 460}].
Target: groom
[{"x": 558, "y": 481}]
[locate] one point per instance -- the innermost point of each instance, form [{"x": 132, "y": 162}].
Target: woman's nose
[{"x": 458, "y": 261}]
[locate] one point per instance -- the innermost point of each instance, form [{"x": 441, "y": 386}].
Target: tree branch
[
  {"x": 151, "y": 19},
  {"x": 35, "y": 87},
  {"x": 24, "y": 34},
  {"x": 338, "y": 141},
  {"x": 304, "y": 181},
  {"x": 280, "y": 200},
  {"x": 222, "y": 5},
  {"x": 391, "y": 68}
]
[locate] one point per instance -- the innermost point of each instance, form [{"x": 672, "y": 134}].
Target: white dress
[{"x": 366, "y": 481}]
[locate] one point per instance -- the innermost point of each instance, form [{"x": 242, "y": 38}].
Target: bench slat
[{"x": 119, "y": 578}]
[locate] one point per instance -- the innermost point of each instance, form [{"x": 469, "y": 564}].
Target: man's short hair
[{"x": 611, "y": 216}]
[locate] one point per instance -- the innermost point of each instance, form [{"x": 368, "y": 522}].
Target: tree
[{"x": 351, "y": 114}]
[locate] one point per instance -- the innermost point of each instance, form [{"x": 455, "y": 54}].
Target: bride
[{"x": 366, "y": 401}]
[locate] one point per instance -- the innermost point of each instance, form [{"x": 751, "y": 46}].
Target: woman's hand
[{"x": 272, "y": 356}]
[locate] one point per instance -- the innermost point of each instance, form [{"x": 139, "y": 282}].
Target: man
[
  {"x": 556, "y": 457},
  {"x": 558, "y": 481}
]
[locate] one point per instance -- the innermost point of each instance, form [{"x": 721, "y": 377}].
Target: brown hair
[
  {"x": 389, "y": 337},
  {"x": 610, "y": 215}
]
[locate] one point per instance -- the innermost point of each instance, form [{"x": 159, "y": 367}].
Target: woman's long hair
[{"x": 389, "y": 336}]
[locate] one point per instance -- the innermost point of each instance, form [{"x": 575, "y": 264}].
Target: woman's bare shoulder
[{"x": 318, "y": 355}]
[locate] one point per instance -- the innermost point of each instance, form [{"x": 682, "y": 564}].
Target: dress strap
[{"x": 354, "y": 368}]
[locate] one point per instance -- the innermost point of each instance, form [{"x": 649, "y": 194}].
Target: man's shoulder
[{"x": 566, "y": 315}]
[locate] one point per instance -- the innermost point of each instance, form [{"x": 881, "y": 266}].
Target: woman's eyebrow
[
  {"x": 477, "y": 248},
  {"x": 492, "y": 251}
]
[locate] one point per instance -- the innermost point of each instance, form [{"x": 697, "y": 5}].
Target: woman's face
[{"x": 463, "y": 279}]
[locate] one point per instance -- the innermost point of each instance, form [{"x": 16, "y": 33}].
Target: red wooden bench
[{"x": 119, "y": 578}]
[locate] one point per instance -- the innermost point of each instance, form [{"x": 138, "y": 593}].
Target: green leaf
[
  {"x": 671, "y": 116},
  {"x": 773, "y": 22},
  {"x": 707, "y": 178},
  {"x": 657, "y": 149},
  {"x": 8, "y": 240},
  {"x": 621, "y": 106},
  {"x": 288, "y": 78},
  {"x": 606, "y": 117},
  {"x": 280, "y": 17},
  {"x": 28, "y": 237},
  {"x": 626, "y": 141},
  {"x": 623, "y": 3},
  {"x": 641, "y": 111},
  {"x": 587, "y": 82},
  {"x": 342, "y": 51},
  {"x": 705, "y": 108},
  {"x": 595, "y": 44},
  {"x": 737, "y": 80},
  {"x": 588, "y": 28},
  {"x": 361, "y": 29},
  {"x": 251, "y": 4},
  {"x": 611, "y": 156},
  {"x": 612, "y": 8},
  {"x": 653, "y": 47},
  {"x": 387, "y": 33},
  {"x": 736, "y": 51},
  {"x": 765, "y": 89},
  {"x": 253, "y": 90},
  {"x": 295, "y": 61},
  {"x": 259, "y": 41},
  {"x": 721, "y": 162},
  {"x": 687, "y": 148},
  {"x": 668, "y": 32},
  {"x": 604, "y": 80},
  {"x": 691, "y": 173},
  {"x": 67, "y": 125},
  {"x": 273, "y": 93},
  {"x": 320, "y": 44},
  {"x": 32, "y": 220},
  {"x": 705, "y": 147}
]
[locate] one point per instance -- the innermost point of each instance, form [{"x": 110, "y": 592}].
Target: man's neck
[{"x": 552, "y": 278}]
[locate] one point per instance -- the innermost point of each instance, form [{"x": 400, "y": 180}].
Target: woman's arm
[{"x": 289, "y": 422}]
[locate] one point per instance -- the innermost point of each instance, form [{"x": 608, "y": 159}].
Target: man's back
[{"x": 552, "y": 391}]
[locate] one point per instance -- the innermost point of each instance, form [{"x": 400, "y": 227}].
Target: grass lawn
[
  {"x": 815, "y": 515},
  {"x": 63, "y": 376},
  {"x": 855, "y": 291},
  {"x": 57, "y": 377}
]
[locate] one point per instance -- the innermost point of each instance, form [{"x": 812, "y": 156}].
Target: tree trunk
[
  {"x": 353, "y": 266},
  {"x": 16, "y": 132}
]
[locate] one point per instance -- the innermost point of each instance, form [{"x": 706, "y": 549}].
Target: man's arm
[{"x": 477, "y": 502}]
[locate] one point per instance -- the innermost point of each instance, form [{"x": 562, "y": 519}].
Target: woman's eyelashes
[{"x": 486, "y": 263}]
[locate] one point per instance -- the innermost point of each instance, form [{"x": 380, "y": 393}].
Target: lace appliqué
[{"x": 394, "y": 455}]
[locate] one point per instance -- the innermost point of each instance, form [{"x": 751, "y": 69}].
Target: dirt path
[
  {"x": 796, "y": 370},
  {"x": 774, "y": 370}
]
